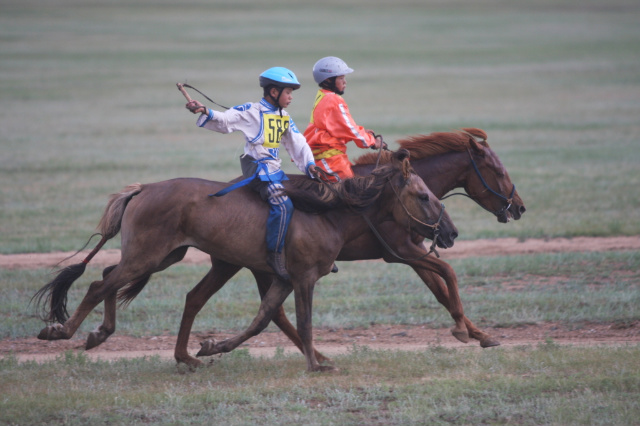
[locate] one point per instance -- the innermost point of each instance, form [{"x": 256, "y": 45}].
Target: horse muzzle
[
  {"x": 514, "y": 211},
  {"x": 446, "y": 239}
]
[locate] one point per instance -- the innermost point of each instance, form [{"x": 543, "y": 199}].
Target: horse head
[
  {"x": 417, "y": 206},
  {"x": 489, "y": 184}
]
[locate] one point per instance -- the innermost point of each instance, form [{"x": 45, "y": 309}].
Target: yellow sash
[
  {"x": 319, "y": 97},
  {"x": 317, "y": 155}
]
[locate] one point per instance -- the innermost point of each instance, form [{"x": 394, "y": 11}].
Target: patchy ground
[
  {"x": 492, "y": 247},
  {"x": 335, "y": 341}
]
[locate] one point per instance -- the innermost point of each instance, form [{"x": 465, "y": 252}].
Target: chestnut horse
[
  {"x": 160, "y": 221},
  {"x": 445, "y": 160}
]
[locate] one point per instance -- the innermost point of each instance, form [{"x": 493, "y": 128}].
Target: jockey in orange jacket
[{"x": 331, "y": 125}]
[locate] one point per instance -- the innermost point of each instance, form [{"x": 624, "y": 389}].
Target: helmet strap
[
  {"x": 330, "y": 84},
  {"x": 276, "y": 101}
]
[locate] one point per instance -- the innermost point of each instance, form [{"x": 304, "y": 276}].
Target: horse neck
[
  {"x": 351, "y": 225},
  {"x": 443, "y": 172}
]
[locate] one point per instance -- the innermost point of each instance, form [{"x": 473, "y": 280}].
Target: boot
[
  {"x": 334, "y": 268},
  {"x": 276, "y": 262}
]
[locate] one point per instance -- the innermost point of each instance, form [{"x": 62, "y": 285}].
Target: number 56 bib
[{"x": 274, "y": 127}]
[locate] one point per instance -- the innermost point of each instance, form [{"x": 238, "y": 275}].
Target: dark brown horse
[
  {"x": 159, "y": 222},
  {"x": 445, "y": 160}
]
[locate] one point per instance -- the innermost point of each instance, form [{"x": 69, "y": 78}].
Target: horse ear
[
  {"x": 475, "y": 140},
  {"x": 401, "y": 158},
  {"x": 401, "y": 155},
  {"x": 475, "y": 146}
]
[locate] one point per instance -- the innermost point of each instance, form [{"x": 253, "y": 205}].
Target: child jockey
[
  {"x": 331, "y": 125},
  {"x": 266, "y": 126}
]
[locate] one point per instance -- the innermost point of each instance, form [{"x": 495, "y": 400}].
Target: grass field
[
  {"x": 571, "y": 288},
  {"x": 542, "y": 385},
  {"x": 88, "y": 104}
]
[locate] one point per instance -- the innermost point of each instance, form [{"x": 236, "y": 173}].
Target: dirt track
[
  {"x": 338, "y": 341},
  {"x": 493, "y": 247}
]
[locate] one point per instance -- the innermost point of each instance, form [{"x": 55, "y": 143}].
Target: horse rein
[
  {"x": 435, "y": 226},
  {"x": 383, "y": 146},
  {"x": 324, "y": 176},
  {"x": 509, "y": 200}
]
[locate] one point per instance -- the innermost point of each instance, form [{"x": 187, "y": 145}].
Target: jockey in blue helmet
[{"x": 266, "y": 126}]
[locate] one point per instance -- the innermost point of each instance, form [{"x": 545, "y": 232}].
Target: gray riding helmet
[{"x": 329, "y": 67}]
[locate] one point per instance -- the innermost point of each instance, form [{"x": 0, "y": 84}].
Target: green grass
[
  {"x": 88, "y": 102},
  {"x": 573, "y": 289},
  {"x": 545, "y": 384}
]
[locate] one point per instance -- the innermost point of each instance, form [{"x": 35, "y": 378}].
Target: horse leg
[
  {"x": 304, "y": 306},
  {"x": 439, "y": 290},
  {"x": 410, "y": 250},
  {"x": 98, "y": 291},
  {"x": 275, "y": 296},
  {"x": 108, "y": 326},
  {"x": 280, "y": 318},
  {"x": 217, "y": 277},
  {"x": 456, "y": 311},
  {"x": 130, "y": 269}
]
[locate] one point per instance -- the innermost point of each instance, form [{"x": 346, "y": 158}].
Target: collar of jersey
[
  {"x": 268, "y": 106},
  {"x": 329, "y": 92}
]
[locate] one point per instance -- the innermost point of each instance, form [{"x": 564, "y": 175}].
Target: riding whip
[{"x": 181, "y": 88}]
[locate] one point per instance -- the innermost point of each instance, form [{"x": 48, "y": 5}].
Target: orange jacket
[{"x": 331, "y": 127}]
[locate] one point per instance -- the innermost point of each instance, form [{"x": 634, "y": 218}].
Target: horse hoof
[
  {"x": 323, "y": 359},
  {"x": 52, "y": 332},
  {"x": 94, "y": 339},
  {"x": 190, "y": 362},
  {"x": 461, "y": 335},
  {"x": 325, "y": 369},
  {"x": 208, "y": 347},
  {"x": 489, "y": 342}
]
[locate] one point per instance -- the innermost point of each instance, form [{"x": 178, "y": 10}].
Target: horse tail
[
  {"x": 128, "y": 293},
  {"x": 54, "y": 294}
]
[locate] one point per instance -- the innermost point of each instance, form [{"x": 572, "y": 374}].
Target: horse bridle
[
  {"x": 435, "y": 226},
  {"x": 509, "y": 200}
]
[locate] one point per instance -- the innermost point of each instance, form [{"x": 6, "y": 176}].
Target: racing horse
[
  {"x": 158, "y": 222},
  {"x": 445, "y": 161}
]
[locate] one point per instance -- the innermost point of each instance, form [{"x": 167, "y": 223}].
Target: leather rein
[
  {"x": 323, "y": 177},
  {"x": 509, "y": 200}
]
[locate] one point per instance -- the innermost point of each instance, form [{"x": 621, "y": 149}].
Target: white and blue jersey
[{"x": 264, "y": 130}]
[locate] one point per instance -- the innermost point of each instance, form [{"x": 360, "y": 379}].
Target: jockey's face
[
  {"x": 341, "y": 83},
  {"x": 285, "y": 97}
]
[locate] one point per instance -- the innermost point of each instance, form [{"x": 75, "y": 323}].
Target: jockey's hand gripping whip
[{"x": 181, "y": 88}]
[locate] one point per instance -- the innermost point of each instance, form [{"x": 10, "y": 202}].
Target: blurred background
[{"x": 88, "y": 99}]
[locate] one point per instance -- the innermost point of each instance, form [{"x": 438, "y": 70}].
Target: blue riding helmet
[{"x": 280, "y": 77}]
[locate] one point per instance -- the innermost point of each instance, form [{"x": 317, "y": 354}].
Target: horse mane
[
  {"x": 357, "y": 193},
  {"x": 423, "y": 146}
]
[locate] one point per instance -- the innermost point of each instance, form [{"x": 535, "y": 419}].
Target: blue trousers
[
  {"x": 270, "y": 188},
  {"x": 280, "y": 212}
]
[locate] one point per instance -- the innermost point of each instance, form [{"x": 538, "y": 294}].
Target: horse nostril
[
  {"x": 522, "y": 209},
  {"x": 454, "y": 235}
]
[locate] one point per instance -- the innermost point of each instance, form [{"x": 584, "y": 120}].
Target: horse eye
[{"x": 424, "y": 197}]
